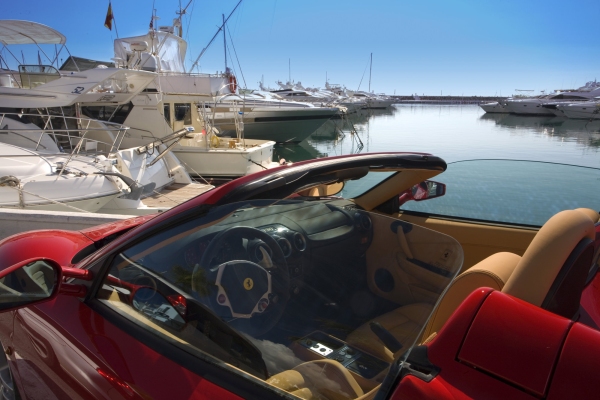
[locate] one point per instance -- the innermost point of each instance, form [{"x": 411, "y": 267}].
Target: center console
[{"x": 368, "y": 370}]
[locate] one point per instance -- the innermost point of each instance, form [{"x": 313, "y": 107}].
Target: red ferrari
[{"x": 311, "y": 281}]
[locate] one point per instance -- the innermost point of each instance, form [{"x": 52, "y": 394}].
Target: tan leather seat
[
  {"x": 593, "y": 214},
  {"x": 322, "y": 379},
  {"x": 534, "y": 277}
]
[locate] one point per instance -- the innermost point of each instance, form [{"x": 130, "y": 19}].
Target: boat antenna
[
  {"x": 214, "y": 37},
  {"x": 181, "y": 12},
  {"x": 224, "y": 41},
  {"x": 370, "y": 69},
  {"x": 289, "y": 70}
]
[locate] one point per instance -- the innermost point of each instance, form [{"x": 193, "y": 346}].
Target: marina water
[{"x": 454, "y": 133}]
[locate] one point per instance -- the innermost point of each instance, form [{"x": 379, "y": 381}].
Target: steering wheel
[{"x": 255, "y": 295}]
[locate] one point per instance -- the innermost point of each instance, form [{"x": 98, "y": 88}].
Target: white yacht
[
  {"x": 36, "y": 131},
  {"x": 93, "y": 176},
  {"x": 580, "y": 110},
  {"x": 535, "y": 105},
  {"x": 30, "y": 180},
  {"x": 368, "y": 100},
  {"x": 494, "y": 107},
  {"x": 263, "y": 122},
  {"x": 324, "y": 98},
  {"x": 268, "y": 116}
]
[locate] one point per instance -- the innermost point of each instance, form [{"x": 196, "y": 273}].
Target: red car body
[{"x": 494, "y": 346}]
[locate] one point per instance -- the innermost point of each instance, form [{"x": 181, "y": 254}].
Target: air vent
[
  {"x": 299, "y": 241},
  {"x": 286, "y": 246}
]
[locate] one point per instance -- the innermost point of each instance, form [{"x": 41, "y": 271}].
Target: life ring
[{"x": 232, "y": 83}]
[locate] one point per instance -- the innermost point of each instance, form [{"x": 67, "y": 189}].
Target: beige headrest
[
  {"x": 545, "y": 256},
  {"x": 593, "y": 214},
  {"x": 492, "y": 272}
]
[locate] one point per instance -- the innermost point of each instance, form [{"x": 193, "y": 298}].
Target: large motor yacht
[
  {"x": 263, "y": 121},
  {"x": 543, "y": 105},
  {"x": 581, "y": 110},
  {"x": 52, "y": 157}
]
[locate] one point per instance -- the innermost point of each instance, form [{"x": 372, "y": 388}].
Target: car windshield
[
  {"x": 512, "y": 191},
  {"x": 291, "y": 293}
]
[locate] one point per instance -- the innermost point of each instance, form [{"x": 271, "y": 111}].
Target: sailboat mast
[
  {"x": 213, "y": 38},
  {"x": 370, "y": 69},
  {"x": 224, "y": 41}
]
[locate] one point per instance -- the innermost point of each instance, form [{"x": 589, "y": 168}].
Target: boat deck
[{"x": 175, "y": 194}]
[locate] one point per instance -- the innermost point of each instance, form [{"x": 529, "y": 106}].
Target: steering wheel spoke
[{"x": 247, "y": 290}]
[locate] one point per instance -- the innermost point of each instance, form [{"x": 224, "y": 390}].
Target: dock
[{"x": 175, "y": 194}]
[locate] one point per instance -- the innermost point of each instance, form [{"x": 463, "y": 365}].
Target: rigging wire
[
  {"x": 237, "y": 59},
  {"x": 363, "y": 75},
  {"x": 215, "y": 36},
  {"x": 187, "y": 31}
]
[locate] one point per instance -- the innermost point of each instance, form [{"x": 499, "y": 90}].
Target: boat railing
[
  {"x": 193, "y": 74},
  {"x": 75, "y": 135}
]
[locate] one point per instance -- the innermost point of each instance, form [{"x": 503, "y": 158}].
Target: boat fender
[
  {"x": 10, "y": 180},
  {"x": 214, "y": 141},
  {"x": 13, "y": 182}
]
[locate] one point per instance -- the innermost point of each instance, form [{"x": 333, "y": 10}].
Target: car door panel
[
  {"x": 48, "y": 351},
  {"x": 80, "y": 355},
  {"x": 414, "y": 268},
  {"x": 478, "y": 240}
]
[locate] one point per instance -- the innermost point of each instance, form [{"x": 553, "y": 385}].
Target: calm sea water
[{"x": 455, "y": 132}]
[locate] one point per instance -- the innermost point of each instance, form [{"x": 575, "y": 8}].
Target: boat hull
[
  {"x": 225, "y": 161},
  {"x": 494, "y": 107},
  {"x": 87, "y": 194},
  {"x": 527, "y": 107},
  {"x": 581, "y": 111},
  {"x": 280, "y": 125}
]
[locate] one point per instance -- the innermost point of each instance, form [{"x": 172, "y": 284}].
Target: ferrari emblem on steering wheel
[{"x": 248, "y": 283}]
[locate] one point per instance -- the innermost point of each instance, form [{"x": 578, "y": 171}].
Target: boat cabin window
[
  {"x": 36, "y": 75},
  {"x": 570, "y": 97},
  {"x": 167, "y": 113},
  {"x": 110, "y": 113},
  {"x": 183, "y": 112}
]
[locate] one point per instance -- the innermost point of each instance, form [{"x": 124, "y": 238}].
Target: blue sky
[{"x": 464, "y": 47}]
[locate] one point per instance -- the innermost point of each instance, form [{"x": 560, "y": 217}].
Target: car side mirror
[
  {"x": 423, "y": 191},
  {"x": 29, "y": 282}
]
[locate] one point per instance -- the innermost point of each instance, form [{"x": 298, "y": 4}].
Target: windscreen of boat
[{"x": 272, "y": 289}]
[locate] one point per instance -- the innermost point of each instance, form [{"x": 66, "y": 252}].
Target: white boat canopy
[
  {"x": 27, "y": 32},
  {"x": 165, "y": 52}
]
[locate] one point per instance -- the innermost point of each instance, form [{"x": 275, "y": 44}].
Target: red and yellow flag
[{"x": 109, "y": 17}]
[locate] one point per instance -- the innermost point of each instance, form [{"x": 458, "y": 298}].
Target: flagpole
[
  {"x": 110, "y": 19},
  {"x": 115, "y": 21}
]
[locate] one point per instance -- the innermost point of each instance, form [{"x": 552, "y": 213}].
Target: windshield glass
[
  {"x": 358, "y": 187},
  {"x": 512, "y": 191},
  {"x": 286, "y": 292}
]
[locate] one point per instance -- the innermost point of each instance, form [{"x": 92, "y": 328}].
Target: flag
[{"x": 109, "y": 17}]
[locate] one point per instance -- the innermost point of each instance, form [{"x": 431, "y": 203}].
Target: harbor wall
[
  {"x": 445, "y": 99},
  {"x": 17, "y": 221}
]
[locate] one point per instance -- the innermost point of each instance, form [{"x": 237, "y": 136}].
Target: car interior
[{"x": 317, "y": 295}]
